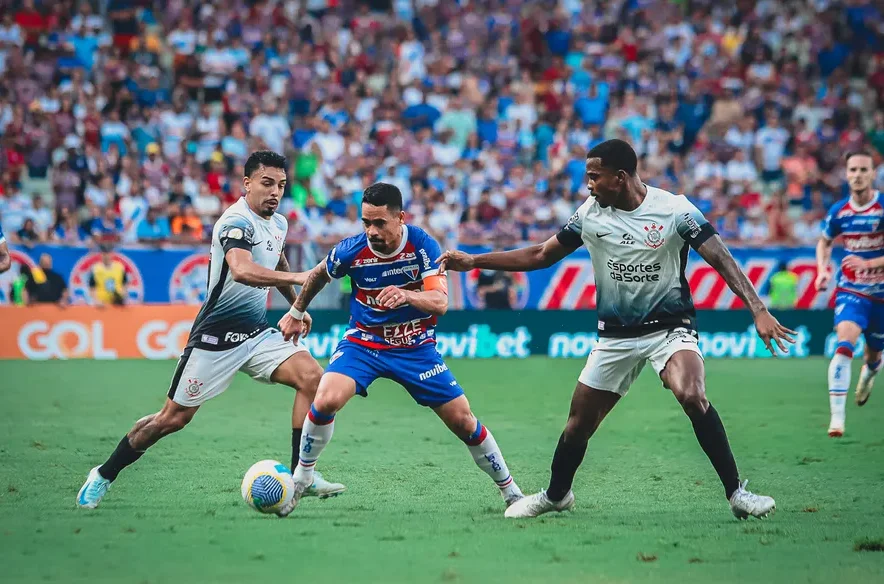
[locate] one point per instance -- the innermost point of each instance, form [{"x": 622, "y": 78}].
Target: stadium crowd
[{"x": 130, "y": 120}]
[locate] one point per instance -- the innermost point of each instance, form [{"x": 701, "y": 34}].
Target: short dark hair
[
  {"x": 383, "y": 195},
  {"x": 266, "y": 158},
  {"x": 616, "y": 155},
  {"x": 860, "y": 152}
]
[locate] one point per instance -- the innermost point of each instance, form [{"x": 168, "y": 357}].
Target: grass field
[{"x": 649, "y": 506}]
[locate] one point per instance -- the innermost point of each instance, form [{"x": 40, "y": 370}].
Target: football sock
[
  {"x": 486, "y": 453},
  {"x": 713, "y": 439},
  {"x": 122, "y": 456},
  {"x": 565, "y": 462},
  {"x": 296, "y": 447},
  {"x": 839, "y": 380},
  {"x": 317, "y": 433}
]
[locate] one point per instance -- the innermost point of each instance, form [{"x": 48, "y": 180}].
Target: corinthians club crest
[
  {"x": 193, "y": 387},
  {"x": 654, "y": 239}
]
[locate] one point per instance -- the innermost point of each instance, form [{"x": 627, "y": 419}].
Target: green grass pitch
[{"x": 649, "y": 505}]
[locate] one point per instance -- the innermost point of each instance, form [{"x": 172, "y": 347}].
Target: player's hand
[
  {"x": 291, "y": 328},
  {"x": 822, "y": 278},
  {"x": 308, "y": 324},
  {"x": 392, "y": 297},
  {"x": 456, "y": 261},
  {"x": 771, "y": 331},
  {"x": 854, "y": 263}
]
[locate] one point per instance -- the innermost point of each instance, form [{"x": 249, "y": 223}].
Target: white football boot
[
  {"x": 296, "y": 498},
  {"x": 511, "y": 494},
  {"x": 538, "y": 504},
  {"x": 322, "y": 488},
  {"x": 92, "y": 490},
  {"x": 864, "y": 385},
  {"x": 745, "y": 503},
  {"x": 836, "y": 427}
]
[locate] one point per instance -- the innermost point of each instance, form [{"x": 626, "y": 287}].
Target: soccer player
[
  {"x": 859, "y": 295},
  {"x": 230, "y": 332},
  {"x": 638, "y": 238},
  {"x": 5, "y": 259},
  {"x": 398, "y": 292}
]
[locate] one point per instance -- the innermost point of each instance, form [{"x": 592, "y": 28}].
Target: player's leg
[
  {"x": 350, "y": 372},
  {"x": 459, "y": 418},
  {"x": 199, "y": 376},
  {"x": 872, "y": 356},
  {"x": 302, "y": 372},
  {"x": 612, "y": 365},
  {"x": 683, "y": 373},
  {"x": 851, "y": 318}
]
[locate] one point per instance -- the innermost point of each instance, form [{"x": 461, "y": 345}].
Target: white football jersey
[
  {"x": 234, "y": 312},
  {"x": 639, "y": 260}
]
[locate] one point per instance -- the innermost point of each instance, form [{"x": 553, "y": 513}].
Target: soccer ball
[{"x": 268, "y": 486}]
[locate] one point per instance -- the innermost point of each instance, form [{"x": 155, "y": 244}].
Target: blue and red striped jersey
[
  {"x": 372, "y": 325},
  {"x": 862, "y": 234}
]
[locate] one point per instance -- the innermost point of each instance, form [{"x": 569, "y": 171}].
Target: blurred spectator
[
  {"x": 783, "y": 288},
  {"x": 154, "y": 228},
  {"x": 483, "y": 105},
  {"x": 28, "y": 234},
  {"x": 108, "y": 281},
  {"x": 45, "y": 285}
]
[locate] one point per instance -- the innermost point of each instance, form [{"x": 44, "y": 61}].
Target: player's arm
[
  {"x": 717, "y": 255},
  {"x": 296, "y": 322},
  {"x": 288, "y": 292},
  {"x": 526, "y": 259},
  {"x": 244, "y": 270},
  {"x": 5, "y": 259},
  {"x": 433, "y": 299},
  {"x": 237, "y": 240},
  {"x": 823, "y": 262}
]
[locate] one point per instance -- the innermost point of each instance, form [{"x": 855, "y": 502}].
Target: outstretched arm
[
  {"x": 823, "y": 263},
  {"x": 717, "y": 255},
  {"x": 5, "y": 259},
  {"x": 245, "y": 271},
  {"x": 526, "y": 259}
]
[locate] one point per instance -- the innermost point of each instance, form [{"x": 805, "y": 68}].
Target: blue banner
[{"x": 173, "y": 275}]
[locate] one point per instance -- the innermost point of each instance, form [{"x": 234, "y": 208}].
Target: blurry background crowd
[{"x": 130, "y": 120}]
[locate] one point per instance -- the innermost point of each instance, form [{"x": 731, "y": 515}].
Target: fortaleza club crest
[
  {"x": 193, "y": 387},
  {"x": 654, "y": 239}
]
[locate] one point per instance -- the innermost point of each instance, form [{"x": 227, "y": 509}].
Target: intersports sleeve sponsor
[
  {"x": 340, "y": 258},
  {"x": 691, "y": 225},
  {"x": 236, "y": 232}
]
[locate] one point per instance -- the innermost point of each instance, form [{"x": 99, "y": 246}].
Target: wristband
[{"x": 295, "y": 313}]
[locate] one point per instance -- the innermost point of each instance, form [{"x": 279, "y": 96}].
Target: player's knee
[
  {"x": 329, "y": 399},
  {"x": 465, "y": 425},
  {"x": 578, "y": 428},
  {"x": 693, "y": 398},
  {"x": 309, "y": 383}
]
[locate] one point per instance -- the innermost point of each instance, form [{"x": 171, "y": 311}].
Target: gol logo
[
  {"x": 19, "y": 260},
  {"x": 82, "y": 270},
  {"x": 189, "y": 281},
  {"x": 159, "y": 339},
  {"x": 66, "y": 339}
]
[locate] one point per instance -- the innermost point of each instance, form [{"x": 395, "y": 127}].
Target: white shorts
[
  {"x": 202, "y": 375},
  {"x": 614, "y": 363}
]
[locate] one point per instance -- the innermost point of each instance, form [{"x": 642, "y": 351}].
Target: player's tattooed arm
[
  {"x": 717, "y": 255},
  {"x": 317, "y": 278},
  {"x": 288, "y": 292}
]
